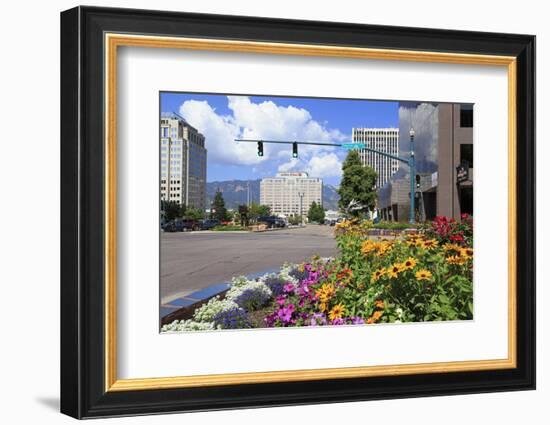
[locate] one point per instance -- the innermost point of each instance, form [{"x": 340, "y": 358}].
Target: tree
[
  {"x": 316, "y": 213},
  {"x": 172, "y": 210},
  {"x": 218, "y": 210},
  {"x": 194, "y": 213},
  {"x": 257, "y": 210},
  {"x": 295, "y": 219},
  {"x": 357, "y": 186}
]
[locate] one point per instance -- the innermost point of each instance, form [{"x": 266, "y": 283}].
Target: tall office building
[
  {"x": 291, "y": 193},
  {"x": 445, "y": 143},
  {"x": 381, "y": 139},
  {"x": 182, "y": 162}
]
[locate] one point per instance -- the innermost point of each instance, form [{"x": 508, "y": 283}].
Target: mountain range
[{"x": 235, "y": 193}]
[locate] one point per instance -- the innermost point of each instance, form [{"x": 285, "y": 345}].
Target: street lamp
[
  {"x": 412, "y": 175},
  {"x": 301, "y": 195}
]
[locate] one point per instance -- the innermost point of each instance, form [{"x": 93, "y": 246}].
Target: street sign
[
  {"x": 353, "y": 145},
  {"x": 462, "y": 173}
]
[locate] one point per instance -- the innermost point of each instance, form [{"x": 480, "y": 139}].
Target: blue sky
[{"x": 221, "y": 118}]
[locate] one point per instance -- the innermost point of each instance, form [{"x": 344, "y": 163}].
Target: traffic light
[
  {"x": 260, "y": 148},
  {"x": 294, "y": 150},
  {"x": 418, "y": 181}
]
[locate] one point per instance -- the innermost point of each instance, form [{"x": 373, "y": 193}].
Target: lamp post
[
  {"x": 301, "y": 195},
  {"x": 412, "y": 176}
]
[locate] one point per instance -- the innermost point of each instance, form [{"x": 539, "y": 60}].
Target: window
[
  {"x": 466, "y": 116},
  {"x": 467, "y": 154}
]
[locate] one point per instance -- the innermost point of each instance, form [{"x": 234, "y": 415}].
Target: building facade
[
  {"x": 290, "y": 193},
  {"x": 182, "y": 162},
  {"x": 443, "y": 142},
  {"x": 381, "y": 139}
]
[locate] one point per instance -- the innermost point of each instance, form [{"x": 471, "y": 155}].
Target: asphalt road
[{"x": 191, "y": 261}]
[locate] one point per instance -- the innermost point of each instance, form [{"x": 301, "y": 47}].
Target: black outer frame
[{"x": 82, "y": 212}]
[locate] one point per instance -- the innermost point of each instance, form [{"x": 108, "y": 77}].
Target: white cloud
[
  {"x": 326, "y": 165},
  {"x": 265, "y": 120},
  {"x": 291, "y": 165}
]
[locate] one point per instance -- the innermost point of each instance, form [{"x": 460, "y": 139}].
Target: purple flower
[
  {"x": 338, "y": 321},
  {"x": 281, "y": 299},
  {"x": 357, "y": 321},
  {"x": 285, "y": 313},
  {"x": 317, "y": 319},
  {"x": 313, "y": 276},
  {"x": 289, "y": 287},
  {"x": 303, "y": 290}
]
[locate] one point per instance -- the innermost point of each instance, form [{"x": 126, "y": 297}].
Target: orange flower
[
  {"x": 344, "y": 274},
  {"x": 375, "y": 317},
  {"x": 379, "y": 304}
]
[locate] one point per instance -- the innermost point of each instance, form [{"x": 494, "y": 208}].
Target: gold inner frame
[{"x": 113, "y": 41}]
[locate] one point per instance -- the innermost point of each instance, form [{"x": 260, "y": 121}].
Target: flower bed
[{"x": 426, "y": 276}]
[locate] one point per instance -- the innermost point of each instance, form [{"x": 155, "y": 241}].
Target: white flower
[
  {"x": 257, "y": 286},
  {"x": 187, "y": 325},
  {"x": 207, "y": 312}
]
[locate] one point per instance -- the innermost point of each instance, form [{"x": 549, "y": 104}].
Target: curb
[{"x": 183, "y": 308}]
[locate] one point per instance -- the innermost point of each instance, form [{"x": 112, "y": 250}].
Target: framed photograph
[{"x": 261, "y": 212}]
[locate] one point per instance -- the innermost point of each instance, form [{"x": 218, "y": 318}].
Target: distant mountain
[
  {"x": 235, "y": 193},
  {"x": 330, "y": 197}
]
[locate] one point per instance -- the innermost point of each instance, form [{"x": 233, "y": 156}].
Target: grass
[{"x": 229, "y": 227}]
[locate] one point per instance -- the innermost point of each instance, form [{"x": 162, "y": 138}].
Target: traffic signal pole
[{"x": 410, "y": 161}]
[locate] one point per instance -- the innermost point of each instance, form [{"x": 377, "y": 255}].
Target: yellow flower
[
  {"x": 451, "y": 247},
  {"x": 429, "y": 243},
  {"x": 337, "y": 312},
  {"x": 423, "y": 275},
  {"x": 325, "y": 292},
  {"x": 395, "y": 270},
  {"x": 414, "y": 240},
  {"x": 323, "y": 307},
  {"x": 367, "y": 247},
  {"x": 456, "y": 260},
  {"x": 467, "y": 252},
  {"x": 378, "y": 274},
  {"x": 383, "y": 247},
  {"x": 409, "y": 264}
]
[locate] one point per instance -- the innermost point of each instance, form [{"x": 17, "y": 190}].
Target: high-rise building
[
  {"x": 381, "y": 139},
  {"x": 443, "y": 144},
  {"x": 291, "y": 193},
  {"x": 182, "y": 162}
]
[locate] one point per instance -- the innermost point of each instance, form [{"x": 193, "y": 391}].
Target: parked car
[
  {"x": 181, "y": 225},
  {"x": 208, "y": 224},
  {"x": 272, "y": 221}
]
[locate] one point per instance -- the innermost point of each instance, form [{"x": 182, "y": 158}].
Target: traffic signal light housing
[
  {"x": 260, "y": 148},
  {"x": 418, "y": 181},
  {"x": 294, "y": 150}
]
